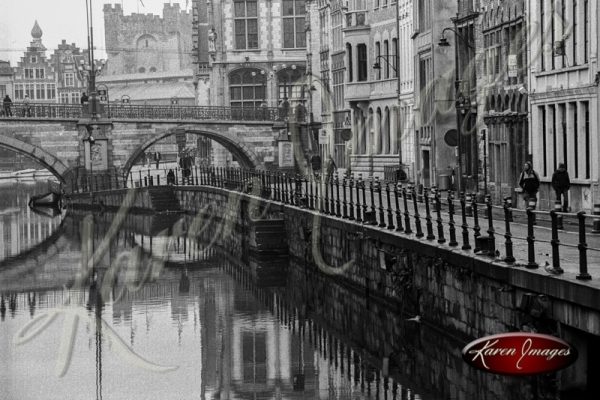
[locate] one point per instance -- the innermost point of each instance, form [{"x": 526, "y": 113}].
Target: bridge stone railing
[{"x": 152, "y": 112}]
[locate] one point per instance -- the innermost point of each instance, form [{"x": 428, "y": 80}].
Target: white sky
[{"x": 60, "y": 19}]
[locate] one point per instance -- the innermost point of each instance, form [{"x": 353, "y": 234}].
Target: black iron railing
[
  {"x": 143, "y": 112},
  {"x": 504, "y": 234}
]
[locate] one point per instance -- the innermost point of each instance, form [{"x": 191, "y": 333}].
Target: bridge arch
[
  {"x": 242, "y": 154},
  {"x": 48, "y": 160}
]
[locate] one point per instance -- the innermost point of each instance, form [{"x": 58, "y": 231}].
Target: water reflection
[
  {"x": 22, "y": 229},
  {"x": 227, "y": 325}
]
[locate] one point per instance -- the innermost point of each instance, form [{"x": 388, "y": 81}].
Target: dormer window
[{"x": 34, "y": 59}]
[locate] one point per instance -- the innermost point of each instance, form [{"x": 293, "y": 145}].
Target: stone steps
[{"x": 163, "y": 199}]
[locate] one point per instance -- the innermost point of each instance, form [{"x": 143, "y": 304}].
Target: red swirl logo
[{"x": 519, "y": 353}]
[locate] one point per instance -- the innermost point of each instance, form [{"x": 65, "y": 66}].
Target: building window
[
  {"x": 2, "y": 91},
  {"x": 386, "y": 53},
  {"x": 424, "y": 15},
  {"x": 247, "y": 88},
  {"x": 141, "y": 70},
  {"x": 378, "y": 60},
  {"x": 293, "y": 24},
  {"x": 64, "y": 98},
  {"x": 246, "y": 24},
  {"x": 542, "y": 36},
  {"x": 19, "y": 91},
  {"x": 75, "y": 97},
  {"x": 362, "y": 62},
  {"x": 33, "y": 59},
  {"x": 28, "y": 73},
  {"x": 395, "y": 57},
  {"x": 39, "y": 73},
  {"x": 286, "y": 82},
  {"x": 69, "y": 79},
  {"x": 51, "y": 91},
  {"x": 40, "y": 91},
  {"x": 152, "y": 69},
  {"x": 586, "y": 27},
  {"x": 349, "y": 56},
  {"x": 30, "y": 90}
]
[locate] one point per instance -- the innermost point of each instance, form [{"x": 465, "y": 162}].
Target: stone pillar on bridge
[{"x": 95, "y": 155}]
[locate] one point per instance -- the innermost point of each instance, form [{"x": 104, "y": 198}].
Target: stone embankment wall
[{"x": 465, "y": 296}]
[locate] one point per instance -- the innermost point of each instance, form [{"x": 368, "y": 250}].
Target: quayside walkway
[{"x": 553, "y": 242}]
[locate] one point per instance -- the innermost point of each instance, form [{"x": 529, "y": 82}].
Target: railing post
[
  {"x": 345, "y": 198},
  {"x": 380, "y": 198},
  {"x": 507, "y": 235},
  {"x": 555, "y": 243},
  {"x": 559, "y": 218},
  {"x": 332, "y": 206},
  {"x": 390, "y": 214},
  {"x": 530, "y": 239},
  {"x": 325, "y": 183},
  {"x": 582, "y": 246},
  {"x": 363, "y": 189},
  {"x": 417, "y": 217},
  {"x": 440, "y": 224},
  {"x": 359, "y": 184},
  {"x": 476, "y": 227},
  {"x": 596, "y": 220},
  {"x": 508, "y": 202},
  {"x": 351, "y": 201},
  {"x": 319, "y": 189},
  {"x": 469, "y": 201},
  {"x": 451, "y": 223},
  {"x": 491, "y": 232},
  {"x": 427, "y": 195},
  {"x": 338, "y": 210},
  {"x": 407, "y": 228},
  {"x": 465, "y": 226},
  {"x": 311, "y": 198},
  {"x": 399, "y": 227}
]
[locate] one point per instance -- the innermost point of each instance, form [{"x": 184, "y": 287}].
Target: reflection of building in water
[{"x": 21, "y": 229}]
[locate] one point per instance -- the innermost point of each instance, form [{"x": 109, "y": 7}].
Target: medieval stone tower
[{"x": 145, "y": 43}]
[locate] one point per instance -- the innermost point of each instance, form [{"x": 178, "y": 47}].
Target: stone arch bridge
[{"x": 59, "y": 144}]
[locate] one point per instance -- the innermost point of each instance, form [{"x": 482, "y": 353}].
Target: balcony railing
[
  {"x": 356, "y": 19},
  {"x": 152, "y": 112}
]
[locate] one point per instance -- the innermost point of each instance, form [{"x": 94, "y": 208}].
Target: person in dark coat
[
  {"x": 7, "y": 103},
  {"x": 84, "y": 98},
  {"x": 529, "y": 181},
  {"x": 561, "y": 184},
  {"x": 170, "y": 177}
]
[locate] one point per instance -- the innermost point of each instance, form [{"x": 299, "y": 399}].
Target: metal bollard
[
  {"x": 399, "y": 227},
  {"x": 583, "y": 270},
  {"x": 508, "y": 203},
  {"x": 427, "y": 196},
  {"x": 559, "y": 218},
  {"x": 417, "y": 217},
  {"x": 531, "y": 206},
  {"x": 440, "y": 225},
  {"x": 469, "y": 201},
  {"x": 507, "y": 235},
  {"x": 465, "y": 226},
  {"x": 596, "y": 223},
  {"x": 555, "y": 242},
  {"x": 451, "y": 223},
  {"x": 338, "y": 206},
  {"x": 345, "y": 198},
  {"x": 379, "y": 194},
  {"x": 531, "y": 264},
  {"x": 407, "y": 228}
]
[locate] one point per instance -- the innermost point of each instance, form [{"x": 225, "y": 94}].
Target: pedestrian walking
[
  {"x": 7, "y": 103},
  {"x": 84, "y": 98},
  {"x": 157, "y": 158},
  {"x": 331, "y": 168},
  {"x": 529, "y": 181},
  {"x": 27, "y": 106},
  {"x": 561, "y": 184},
  {"x": 170, "y": 177}
]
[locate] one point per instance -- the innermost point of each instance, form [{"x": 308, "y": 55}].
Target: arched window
[
  {"x": 379, "y": 132},
  {"x": 152, "y": 69},
  {"x": 289, "y": 83},
  {"x": 247, "y": 88},
  {"x": 141, "y": 70},
  {"x": 394, "y": 57},
  {"x": 387, "y": 132}
]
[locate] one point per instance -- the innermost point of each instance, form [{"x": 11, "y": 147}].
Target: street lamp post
[
  {"x": 90, "y": 139},
  {"x": 461, "y": 103}
]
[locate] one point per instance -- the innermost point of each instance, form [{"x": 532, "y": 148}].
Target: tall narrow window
[
  {"x": 51, "y": 91},
  {"x": 362, "y": 62},
  {"x": 552, "y": 24},
  {"x": 395, "y": 56},
  {"x": 586, "y": 29},
  {"x": 349, "y": 55},
  {"x": 40, "y": 91},
  {"x": 69, "y": 79},
  {"x": 29, "y": 90},
  {"x": 378, "y": 59},
  {"x": 542, "y": 36},
  {"x": 575, "y": 19},
  {"x": 544, "y": 140},
  {"x": 575, "y": 136},
  {"x": 246, "y": 24},
  {"x": 586, "y": 110},
  {"x": 293, "y": 24},
  {"x": 554, "y": 138},
  {"x": 386, "y": 52},
  {"x": 18, "y": 91}
]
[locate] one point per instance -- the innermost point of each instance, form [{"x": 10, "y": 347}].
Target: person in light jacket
[{"x": 529, "y": 181}]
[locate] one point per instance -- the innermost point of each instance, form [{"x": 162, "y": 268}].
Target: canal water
[{"x": 138, "y": 313}]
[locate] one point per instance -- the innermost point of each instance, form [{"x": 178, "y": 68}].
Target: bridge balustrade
[
  {"x": 151, "y": 112},
  {"x": 495, "y": 232}
]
